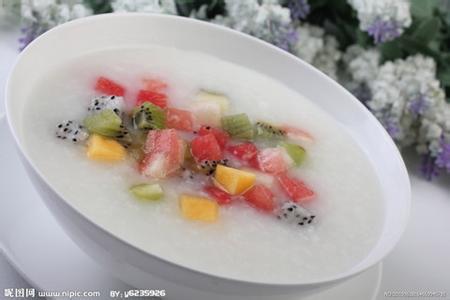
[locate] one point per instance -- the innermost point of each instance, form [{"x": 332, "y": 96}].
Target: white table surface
[{"x": 419, "y": 263}]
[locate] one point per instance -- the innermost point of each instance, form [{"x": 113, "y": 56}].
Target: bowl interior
[{"x": 94, "y": 33}]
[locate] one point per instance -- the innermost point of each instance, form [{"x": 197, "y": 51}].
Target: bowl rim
[{"x": 259, "y": 43}]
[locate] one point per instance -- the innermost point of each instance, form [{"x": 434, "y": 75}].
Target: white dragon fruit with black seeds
[
  {"x": 115, "y": 103},
  {"x": 295, "y": 214},
  {"x": 71, "y": 130}
]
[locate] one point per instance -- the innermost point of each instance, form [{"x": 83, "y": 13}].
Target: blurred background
[{"x": 393, "y": 55}]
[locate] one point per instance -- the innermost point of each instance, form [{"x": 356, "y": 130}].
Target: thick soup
[{"x": 204, "y": 163}]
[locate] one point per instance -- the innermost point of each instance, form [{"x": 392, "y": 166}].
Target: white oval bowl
[{"x": 142, "y": 269}]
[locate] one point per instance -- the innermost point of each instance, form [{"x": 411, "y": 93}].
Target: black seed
[
  {"x": 301, "y": 223},
  {"x": 97, "y": 108},
  {"x": 112, "y": 97},
  {"x": 74, "y": 140},
  {"x": 65, "y": 129},
  {"x": 290, "y": 209},
  {"x": 60, "y": 125},
  {"x": 208, "y": 128},
  {"x": 312, "y": 217},
  {"x": 305, "y": 218},
  {"x": 76, "y": 132},
  {"x": 309, "y": 222}
]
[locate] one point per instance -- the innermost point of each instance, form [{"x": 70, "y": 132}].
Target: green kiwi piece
[
  {"x": 266, "y": 130},
  {"x": 149, "y": 117},
  {"x": 147, "y": 191},
  {"x": 238, "y": 126},
  {"x": 296, "y": 152},
  {"x": 106, "y": 123}
]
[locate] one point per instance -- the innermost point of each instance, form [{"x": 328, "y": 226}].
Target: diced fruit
[
  {"x": 155, "y": 98},
  {"x": 179, "y": 119},
  {"x": 149, "y": 116},
  {"x": 232, "y": 180},
  {"x": 199, "y": 208},
  {"x": 108, "y": 87},
  {"x": 295, "y": 214},
  {"x": 101, "y": 148},
  {"x": 106, "y": 123},
  {"x": 268, "y": 131},
  {"x": 207, "y": 113},
  {"x": 205, "y": 147},
  {"x": 274, "y": 160},
  {"x": 71, "y": 131},
  {"x": 296, "y": 189},
  {"x": 114, "y": 103},
  {"x": 220, "y": 196},
  {"x": 221, "y": 136},
  {"x": 260, "y": 197},
  {"x": 238, "y": 126},
  {"x": 297, "y": 134},
  {"x": 163, "y": 153},
  {"x": 147, "y": 191},
  {"x": 222, "y": 100},
  {"x": 245, "y": 151},
  {"x": 296, "y": 152},
  {"x": 155, "y": 85}
]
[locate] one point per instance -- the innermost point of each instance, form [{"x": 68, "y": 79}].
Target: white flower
[
  {"x": 384, "y": 20},
  {"x": 318, "y": 49},
  {"x": 267, "y": 20},
  {"x": 361, "y": 64},
  {"x": 149, "y": 6}
]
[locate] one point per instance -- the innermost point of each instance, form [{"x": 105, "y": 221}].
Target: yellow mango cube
[
  {"x": 234, "y": 181},
  {"x": 199, "y": 208},
  {"x": 106, "y": 149}
]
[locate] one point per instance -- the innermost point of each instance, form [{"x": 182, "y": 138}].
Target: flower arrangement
[{"x": 392, "y": 55}]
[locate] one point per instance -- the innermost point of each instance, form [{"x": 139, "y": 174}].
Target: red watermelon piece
[
  {"x": 179, "y": 119},
  {"x": 221, "y": 136},
  {"x": 260, "y": 197},
  {"x": 294, "y": 188},
  {"x": 206, "y": 147},
  {"x": 221, "y": 197},
  {"x": 158, "y": 99},
  {"x": 273, "y": 160},
  {"x": 244, "y": 151},
  {"x": 163, "y": 153},
  {"x": 109, "y": 87}
]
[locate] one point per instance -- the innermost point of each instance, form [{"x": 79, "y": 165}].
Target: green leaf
[
  {"x": 423, "y": 8},
  {"x": 427, "y": 30},
  {"x": 412, "y": 46},
  {"x": 390, "y": 50}
]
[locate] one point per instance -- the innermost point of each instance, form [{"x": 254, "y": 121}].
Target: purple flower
[
  {"x": 362, "y": 92},
  {"x": 29, "y": 33},
  {"x": 383, "y": 30},
  {"x": 392, "y": 127},
  {"x": 417, "y": 106},
  {"x": 287, "y": 38},
  {"x": 299, "y": 9},
  {"x": 428, "y": 167},
  {"x": 443, "y": 157}
]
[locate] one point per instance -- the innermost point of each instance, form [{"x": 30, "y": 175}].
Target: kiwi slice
[
  {"x": 238, "y": 126},
  {"x": 106, "y": 123},
  {"x": 266, "y": 130},
  {"x": 148, "y": 117},
  {"x": 296, "y": 152},
  {"x": 147, "y": 191}
]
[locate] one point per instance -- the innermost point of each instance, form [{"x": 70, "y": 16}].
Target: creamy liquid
[{"x": 244, "y": 244}]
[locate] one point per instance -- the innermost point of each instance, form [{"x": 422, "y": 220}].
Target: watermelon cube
[
  {"x": 206, "y": 147},
  {"x": 163, "y": 153},
  {"x": 294, "y": 188},
  {"x": 158, "y": 99},
  {"x": 273, "y": 160},
  {"x": 260, "y": 197},
  {"x": 221, "y": 136},
  {"x": 179, "y": 119},
  {"x": 109, "y": 87},
  {"x": 221, "y": 197}
]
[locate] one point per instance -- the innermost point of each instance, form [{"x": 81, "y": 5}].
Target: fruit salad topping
[{"x": 229, "y": 157}]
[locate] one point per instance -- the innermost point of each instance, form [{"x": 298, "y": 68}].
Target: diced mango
[
  {"x": 199, "y": 208},
  {"x": 102, "y": 148},
  {"x": 234, "y": 181}
]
